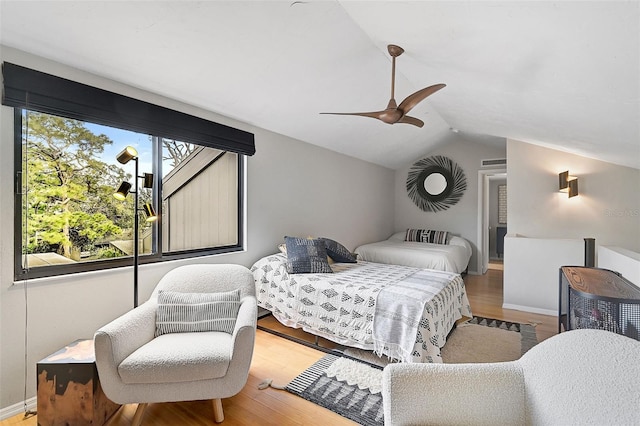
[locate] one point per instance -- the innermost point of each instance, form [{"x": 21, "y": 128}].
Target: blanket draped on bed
[{"x": 399, "y": 310}]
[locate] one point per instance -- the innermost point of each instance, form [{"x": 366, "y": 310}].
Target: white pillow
[
  {"x": 398, "y": 236},
  {"x": 192, "y": 312}
]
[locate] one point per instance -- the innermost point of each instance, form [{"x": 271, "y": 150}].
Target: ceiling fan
[{"x": 395, "y": 113}]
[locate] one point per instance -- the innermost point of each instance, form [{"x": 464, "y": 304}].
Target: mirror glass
[{"x": 435, "y": 184}]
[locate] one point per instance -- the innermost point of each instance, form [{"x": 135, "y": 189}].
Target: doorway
[{"x": 492, "y": 217}]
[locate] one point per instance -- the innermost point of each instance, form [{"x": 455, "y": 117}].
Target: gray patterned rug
[
  {"x": 350, "y": 383},
  {"x": 345, "y": 386}
]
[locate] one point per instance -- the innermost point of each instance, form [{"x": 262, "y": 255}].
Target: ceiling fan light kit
[{"x": 395, "y": 113}]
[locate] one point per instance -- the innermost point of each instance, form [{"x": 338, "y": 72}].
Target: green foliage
[
  {"x": 108, "y": 253},
  {"x": 69, "y": 188}
]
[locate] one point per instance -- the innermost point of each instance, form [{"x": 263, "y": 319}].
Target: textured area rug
[
  {"x": 488, "y": 340},
  {"x": 477, "y": 340},
  {"x": 345, "y": 386},
  {"x": 350, "y": 384}
]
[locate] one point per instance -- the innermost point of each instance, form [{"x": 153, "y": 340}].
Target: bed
[
  {"x": 453, "y": 256},
  {"x": 341, "y": 306}
]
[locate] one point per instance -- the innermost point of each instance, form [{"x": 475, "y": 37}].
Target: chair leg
[
  {"x": 218, "y": 414},
  {"x": 137, "y": 417}
]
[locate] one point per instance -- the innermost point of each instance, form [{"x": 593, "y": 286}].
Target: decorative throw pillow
[
  {"x": 427, "y": 236},
  {"x": 306, "y": 255},
  {"x": 338, "y": 252},
  {"x": 413, "y": 235},
  {"x": 435, "y": 237},
  {"x": 190, "y": 312}
]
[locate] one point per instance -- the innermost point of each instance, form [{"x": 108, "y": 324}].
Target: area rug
[
  {"x": 350, "y": 383},
  {"x": 345, "y": 386}
]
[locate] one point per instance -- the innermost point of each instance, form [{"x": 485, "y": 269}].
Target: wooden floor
[{"x": 282, "y": 360}]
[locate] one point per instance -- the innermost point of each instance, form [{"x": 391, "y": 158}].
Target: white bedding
[
  {"x": 341, "y": 306},
  {"x": 452, "y": 257}
]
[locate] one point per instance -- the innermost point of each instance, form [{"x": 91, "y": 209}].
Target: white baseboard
[
  {"x": 15, "y": 409},
  {"x": 530, "y": 309}
]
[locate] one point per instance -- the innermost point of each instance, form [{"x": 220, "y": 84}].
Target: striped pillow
[
  {"x": 189, "y": 312},
  {"x": 427, "y": 236}
]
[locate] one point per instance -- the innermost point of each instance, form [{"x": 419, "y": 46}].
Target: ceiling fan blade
[
  {"x": 389, "y": 115},
  {"x": 374, "y": 114},
  {"x": 415, "y": 98},
  {"x": 411, "y": 120}
]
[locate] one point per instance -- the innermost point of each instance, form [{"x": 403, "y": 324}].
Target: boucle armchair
[
  {"x": 136, "y": 365},
  {"x": 579, "y": 377}
]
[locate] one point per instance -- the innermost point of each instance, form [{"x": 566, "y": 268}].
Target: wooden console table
[
  {"x": 69, "y": 391},
  {"x": 598, "y": 298}
]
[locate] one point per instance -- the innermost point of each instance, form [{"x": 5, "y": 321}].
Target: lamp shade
[
  {"x": 123, "y": 191},
  {"x": 127, "y": 154},
  {"x": 148, "y": 180},
  {"x": 150, "y": 212}
]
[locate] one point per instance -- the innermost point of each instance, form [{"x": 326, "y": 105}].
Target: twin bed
[
  {"x": 453, "y": 256},
  {"x": 414, "y": 306}
]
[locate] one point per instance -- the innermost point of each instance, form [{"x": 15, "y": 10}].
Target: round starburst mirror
[{"x": 436, "y": 183}]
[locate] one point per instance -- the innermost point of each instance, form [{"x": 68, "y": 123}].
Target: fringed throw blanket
[{"x": 399, "y": 311}]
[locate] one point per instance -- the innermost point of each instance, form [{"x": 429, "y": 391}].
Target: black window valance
[{"x": 38, "y": 91}]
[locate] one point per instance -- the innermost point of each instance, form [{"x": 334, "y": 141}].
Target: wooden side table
[{"x": 69, "y": 391}]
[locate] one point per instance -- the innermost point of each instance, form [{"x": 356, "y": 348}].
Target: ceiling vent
[{"x": 494, "y": 162}]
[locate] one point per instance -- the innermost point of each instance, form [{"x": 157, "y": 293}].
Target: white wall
[
  {"x": 462, "y": 218},
  {"x": 293, "y": 188},
  {"x": 531, "y": 267},
  {"x": 607, "y": 209},
  {"x": 625, "y": 262}
]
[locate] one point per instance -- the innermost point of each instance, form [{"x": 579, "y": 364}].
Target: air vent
[{"x": 494, "y": 162}]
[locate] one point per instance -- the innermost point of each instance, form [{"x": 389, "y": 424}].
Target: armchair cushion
[
  {"x": 190, "y": 312},
  {"x": 179, "y": 357}
]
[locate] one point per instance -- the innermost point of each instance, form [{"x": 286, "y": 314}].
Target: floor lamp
[{"x": 126, "y": 155}]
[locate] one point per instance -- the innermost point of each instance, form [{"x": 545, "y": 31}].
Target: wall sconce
[
  {"x": 568, "y": 183},
  {"x": 126, "y": 155}
]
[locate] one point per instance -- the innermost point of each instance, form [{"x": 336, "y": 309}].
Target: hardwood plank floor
[{"x": 282, "y": 360}]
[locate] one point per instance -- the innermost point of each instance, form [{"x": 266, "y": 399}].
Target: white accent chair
[
  {"x": 179, "y": 366},
  {"x": 579, "y": 377}
]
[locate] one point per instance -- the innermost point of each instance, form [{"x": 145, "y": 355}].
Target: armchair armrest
[
  {"x": 242, "y": 343},
  {"x": 121, "y": 337},
  {"x": 448, "y": 394},
  {"x": 247, "y": 315},
  {"x": 244, "y": 332}
]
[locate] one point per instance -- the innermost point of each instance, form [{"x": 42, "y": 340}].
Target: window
[
  {"x": 200, "y": 202},
  {"x": 67, "y": 219}
]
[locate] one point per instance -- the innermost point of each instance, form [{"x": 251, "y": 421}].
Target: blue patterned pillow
[
  {"x": 191, "y": 312},
  {"x": 338, "y": 252},
  {"x": 306, "y": 255},
  {"x": 427, "y": 236}
]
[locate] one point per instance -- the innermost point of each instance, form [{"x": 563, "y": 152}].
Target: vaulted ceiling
[{"x": 561, "y": 74}]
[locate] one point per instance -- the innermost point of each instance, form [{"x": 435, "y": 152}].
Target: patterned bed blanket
[{"x": 341, "y": 306}]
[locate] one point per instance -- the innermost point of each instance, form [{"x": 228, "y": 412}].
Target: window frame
[{"x": 22, "y": 273}]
